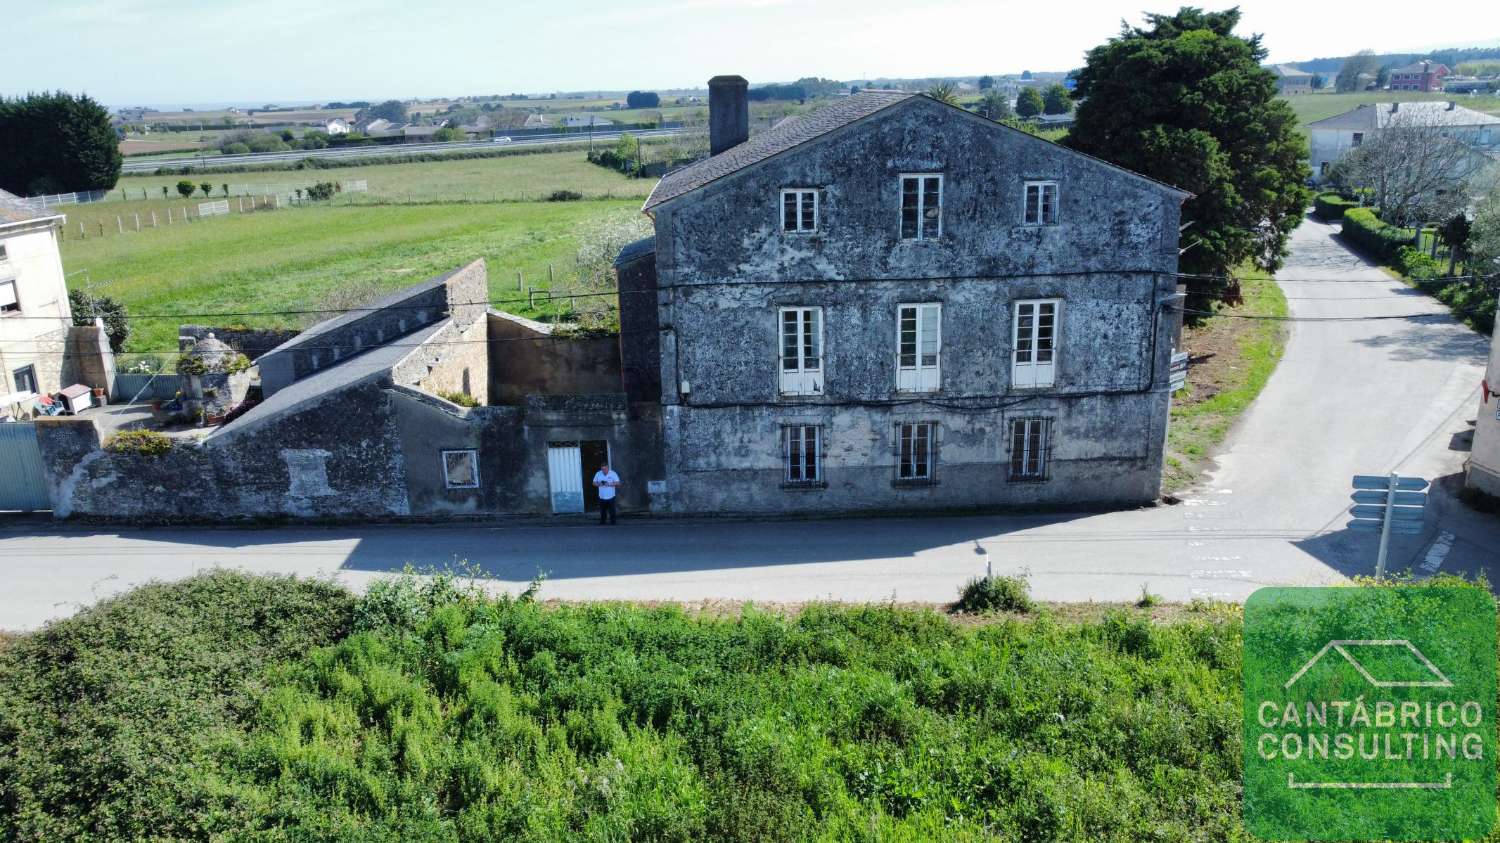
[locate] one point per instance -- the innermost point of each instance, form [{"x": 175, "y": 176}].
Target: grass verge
[
  {"x": 1231, "y": 361},
  {"x": 445, "y": 715}
]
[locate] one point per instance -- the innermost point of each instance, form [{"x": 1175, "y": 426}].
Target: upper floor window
[
  {"x": 1041, "y": 203},
  {"x": 802, "y": 350},
  {"x": 1358, "y": 138},
  {"x": 919, "y": 338},
  {"x": 799, "y": 211},
  {"x": 921, "y": 207},
  {"x": 1034, "y": 343},
  {"x": 802, "y": 454},
  {"x": 10, "y": 300}
]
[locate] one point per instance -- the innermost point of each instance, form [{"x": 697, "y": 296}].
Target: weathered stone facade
[{"x": 725, "y": 268}]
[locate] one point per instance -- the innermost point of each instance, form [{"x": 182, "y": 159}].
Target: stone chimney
[{"x": 728, "y": 113}]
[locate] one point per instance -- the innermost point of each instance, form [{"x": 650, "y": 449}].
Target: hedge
[
  {"x": 1377, "y": 239},
  {"x": 1331, "y": 207}
]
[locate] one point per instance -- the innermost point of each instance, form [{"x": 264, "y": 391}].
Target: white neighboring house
[
  {"x": 336, "y": 126},
  {"x": 1333, "y": 137},
  {"x": 34, "y": 312}
]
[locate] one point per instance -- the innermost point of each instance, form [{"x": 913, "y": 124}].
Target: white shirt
[{"x": 606, "y": 492}]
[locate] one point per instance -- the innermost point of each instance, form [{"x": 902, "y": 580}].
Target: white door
[
  {"x": 1035, "y": 343},
  {"x": 565, "y": 472},
  {"x": 918, "y": 347},
  {"x": 802, "y": 350}
]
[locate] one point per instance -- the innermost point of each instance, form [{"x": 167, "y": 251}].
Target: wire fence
[{"x": 51, "y": 199}]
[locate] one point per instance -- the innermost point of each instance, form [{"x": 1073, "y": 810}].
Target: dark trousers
[{"x": 607, "y": 509}]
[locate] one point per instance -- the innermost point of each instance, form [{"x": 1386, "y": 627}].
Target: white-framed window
[
  {"x": 802, "y": 454},
  {"x": 801, "y": 350},
  {"x": 1034, "y": 342},
  {"x": 799, "y": 211},
  {"x": 1030, "y": 448},
  {"x": 916, "y": 451},
  {"x": 461, "y": 469},
  {"x": 10, "y": 297},
  {"x": 1041, "y": 203},
  {"x": 919, "y": 340},
  {"x": 921, "y": 206}
]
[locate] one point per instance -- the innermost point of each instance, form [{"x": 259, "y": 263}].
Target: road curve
[{"x": 1349, "y": 397}]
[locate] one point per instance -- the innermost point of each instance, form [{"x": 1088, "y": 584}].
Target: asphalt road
[
  {"x": 151, "y": 165},
  {"x": 1349, "y": 397}
]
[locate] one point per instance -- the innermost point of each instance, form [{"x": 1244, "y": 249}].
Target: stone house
[
  {"x": 894, "y": 304},
  {"x": 1290, "y": 80}
]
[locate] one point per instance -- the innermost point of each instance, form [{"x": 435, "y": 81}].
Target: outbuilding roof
[
  {"x": 14, "y": 209},
  {"x": 1427, "y": 113}
]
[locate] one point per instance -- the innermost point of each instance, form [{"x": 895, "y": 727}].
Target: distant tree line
[
  {"x": 57, "y": 143},
  {"x": 1450, "y": 57},
  {"x": 354, "y": 104}
]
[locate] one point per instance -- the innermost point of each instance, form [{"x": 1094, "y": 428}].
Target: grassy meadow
[
  {"x": 504, "y": 178},
  {"x": 338, "y": 256},
  {"x": 235, "y": 707}
]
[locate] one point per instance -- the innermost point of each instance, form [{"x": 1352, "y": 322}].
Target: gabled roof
[
  {"x": 794, "y": 132},
  {"x": 1287, "y": 70},
  {"x": 786, "y": 135},
  {"x": 14, "y": 209},
  {"x": 1379, "y": 116}
]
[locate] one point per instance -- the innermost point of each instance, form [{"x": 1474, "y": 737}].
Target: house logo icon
[{"x": 1341, "y": 646}]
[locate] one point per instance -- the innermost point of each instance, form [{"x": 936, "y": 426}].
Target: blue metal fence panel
[
  {"x": 146, "y": 387},
  {"x": 23, "y": 485}
]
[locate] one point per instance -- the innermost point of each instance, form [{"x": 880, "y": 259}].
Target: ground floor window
[
  {"x": 802, "y": 451},
  {"x": 1030, "y": 448},
  {"x": 461, "y": 469},
  {"x": 25, "y": 379},
  {"x": 916, "y": 444}
]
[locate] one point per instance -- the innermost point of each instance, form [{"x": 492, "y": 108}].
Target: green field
[
  {"x": 338, "y": 256},
  {"x": 507, "y": 177},
  {"x": 1311, "y": 107},
  {"x": 248, "y": 708}
]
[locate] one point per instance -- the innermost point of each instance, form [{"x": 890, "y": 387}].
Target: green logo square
[{"x": 1369, "y": 713}]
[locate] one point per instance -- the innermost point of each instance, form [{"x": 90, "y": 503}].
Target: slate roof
[
  {"x": 14, "y": 209},
  {"x": 1287, "y": 70},
  {"x": 786, "y": 135},
  {"x": 795, "y": 131},
  {"x": 377, "y": 362},
  {"x": 1379, "y": 116}
]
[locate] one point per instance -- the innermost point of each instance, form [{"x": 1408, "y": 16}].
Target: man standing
[{"x": 606, "y": 482}]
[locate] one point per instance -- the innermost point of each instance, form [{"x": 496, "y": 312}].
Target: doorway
[{"x": 570, "y": 474}]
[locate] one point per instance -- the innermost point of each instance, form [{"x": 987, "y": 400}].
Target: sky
[{"x": 175, "y": 52}]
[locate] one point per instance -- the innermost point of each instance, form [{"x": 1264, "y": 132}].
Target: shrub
[
  {"x": 85, "y": 306},
  {"x": 146, "y": 443},
  {"x": 995, "y": 594},
  {"x": 1330, "y": 207},
  {"x": 564, "y": 196},
  {"x": 323, "y": 190},
  {"x": 462, "y": 399},
  {"x": 186, "y": 189},
  {"x": 236, "y": 148},
  {"x": 112, "y": 721},
  {"x": 1376, "y": 238},
  {"x": 1417, "y": 264}
]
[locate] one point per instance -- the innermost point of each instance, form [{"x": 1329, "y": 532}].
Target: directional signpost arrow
[{"x": 1388, "y": 504}]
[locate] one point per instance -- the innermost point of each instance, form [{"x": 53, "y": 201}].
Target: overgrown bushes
[
  {"x": 146, "y": 443},
  {"x": 1330, "y": 207},
  {"x": 1376, "y": 238},
  {"x": 113, "y": 722},
  {"x": 994, "y": 594},
  {"x": 462, "y": 399}
]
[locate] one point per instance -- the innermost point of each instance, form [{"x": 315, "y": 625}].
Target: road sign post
[{"x": 1390, "y": 504}]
